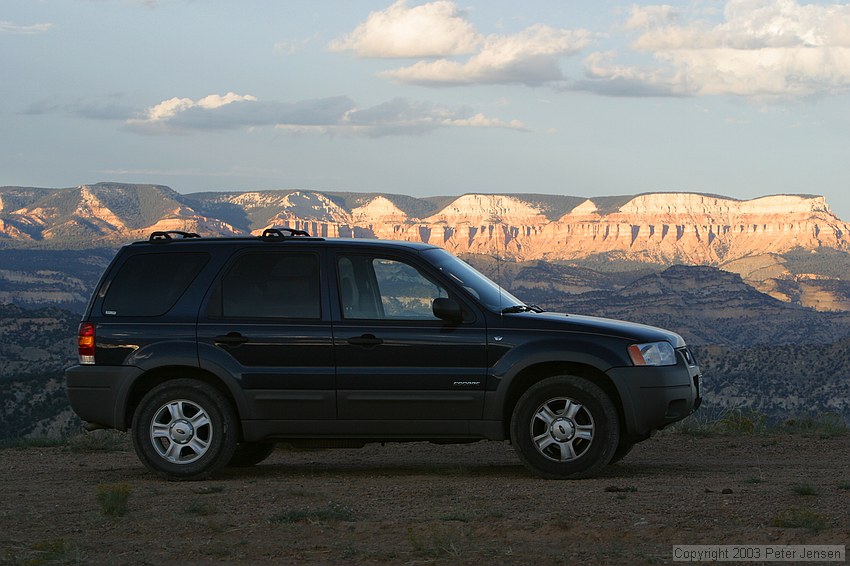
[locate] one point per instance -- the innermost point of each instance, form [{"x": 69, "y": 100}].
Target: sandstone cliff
[{"x": 661, "y": 228}]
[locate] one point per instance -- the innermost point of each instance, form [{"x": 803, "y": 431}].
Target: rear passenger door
[
  {"x": 395, "y": 359},
  {"x": 266, "y": 321}
]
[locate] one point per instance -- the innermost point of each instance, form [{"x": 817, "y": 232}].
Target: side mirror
[{"x": 447, "y": 309}]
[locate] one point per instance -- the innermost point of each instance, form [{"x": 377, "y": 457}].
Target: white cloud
[
  {"x": 405, "y": 116},
  {"x": 482, "y": 121},
  {"x": 651, "y": 16},
  {"x": 169, "y": 108},
  {"x": 763, "y": 49},
  {"x": 604, "y": 76},
  {"x": 436, "y": 29},
  {"x": 15, "y": 29},
  {"x": 438, "y": 33},
  {"x": 335, "y": 115},
  {"x": 530, "y": 57},
  {"x": 235, "y": 111}
]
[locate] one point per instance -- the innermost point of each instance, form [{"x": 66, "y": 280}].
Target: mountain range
[
  {"x": 657, "y": 227},
  {"x": 753, "y": 238}
]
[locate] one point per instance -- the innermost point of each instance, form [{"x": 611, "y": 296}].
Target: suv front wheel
[
  {"x": 184, "y": 429},
  {"x": 565, "y": 427}
]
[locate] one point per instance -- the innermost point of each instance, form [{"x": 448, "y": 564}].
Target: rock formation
[
  {"x": 656, "y": 228},
  {"x": 663, "y": 228}
]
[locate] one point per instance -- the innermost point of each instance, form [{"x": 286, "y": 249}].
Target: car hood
[{"x": 593, "y": 325}]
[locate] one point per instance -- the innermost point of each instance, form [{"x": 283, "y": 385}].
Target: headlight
[{"x": 653, "y": 354}]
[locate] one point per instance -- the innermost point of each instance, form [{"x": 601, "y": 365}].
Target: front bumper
[
  {"x": 655, "y": 397},
  {"x": 98, "y": 394}
]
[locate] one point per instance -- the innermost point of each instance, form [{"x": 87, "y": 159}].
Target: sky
[{"x": 742, "y": 98}]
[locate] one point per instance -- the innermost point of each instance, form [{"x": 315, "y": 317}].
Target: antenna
[{"x": 495, "y": 218}]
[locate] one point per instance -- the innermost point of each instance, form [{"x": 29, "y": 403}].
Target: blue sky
[{"x": 742, "y": 98}]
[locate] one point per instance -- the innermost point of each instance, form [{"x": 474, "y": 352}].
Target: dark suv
[{"x": 213, "y": 349}]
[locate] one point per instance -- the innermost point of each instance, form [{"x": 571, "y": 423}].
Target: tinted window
[
  {"x": 270, "y": 285},
  {"x": 378, "y": 288},
  {"x": 150, "y": 284}
]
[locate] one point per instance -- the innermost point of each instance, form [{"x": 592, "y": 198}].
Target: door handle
[
  {"x": 230, "y": 339},
  {"x": 366, "y": 340}
]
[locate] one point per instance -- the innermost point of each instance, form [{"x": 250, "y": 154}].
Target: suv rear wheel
[
  {"x": 184, "y": 429},
  {"x": 565, "y": 427}
]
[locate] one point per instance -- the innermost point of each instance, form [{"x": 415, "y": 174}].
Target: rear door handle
[
  {"x": 230, "y": 339},
  {"x": 365, "y": 340}
]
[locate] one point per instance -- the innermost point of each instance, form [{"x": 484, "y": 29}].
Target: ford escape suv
[{"x": 210, "y": 350}]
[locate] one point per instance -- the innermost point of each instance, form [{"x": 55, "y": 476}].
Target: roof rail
[
  {"x": 162, "y": 237},
  {"x": 275, "y": 234}
]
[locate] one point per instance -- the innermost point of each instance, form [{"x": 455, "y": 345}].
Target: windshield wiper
[{"x": 521, "y": 308}]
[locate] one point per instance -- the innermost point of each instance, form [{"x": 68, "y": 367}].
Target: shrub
[
  {"x": 741, "y": 421},
  {"x": 201, "y": 508},
  {"x": 113, "y": 499},
  {"x": 56, "y": 551},
  {"x": 801, "y": 519},
  {"x": 728, "y": 421},
  {"x": 825, "y": 425},
  {"x": 333, "y": 512},
  {"x": 804, "y": 489},
  {"x": 749, "y": 421}
]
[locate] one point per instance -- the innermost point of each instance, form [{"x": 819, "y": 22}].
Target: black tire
[
  {"x": 249, "y": 454},
  {"x": 184, "y": 429},
  {"x": 622, "y": 451},
  {"x": 565, "y": 427}
]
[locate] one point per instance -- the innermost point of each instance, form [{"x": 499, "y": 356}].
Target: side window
[
  {"x": 150, "y": 284},
  {"x": 270, "y": 285},
  {"x": 379, "y": 288}
]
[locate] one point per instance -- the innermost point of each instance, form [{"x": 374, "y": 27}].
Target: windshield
[{"x": 488, "y": 293}]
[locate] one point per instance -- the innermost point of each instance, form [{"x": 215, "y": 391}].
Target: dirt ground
[{"x": 426, "y": 504}]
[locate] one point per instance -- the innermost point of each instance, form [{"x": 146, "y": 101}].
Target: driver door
[{"x": 395, "y": 359}]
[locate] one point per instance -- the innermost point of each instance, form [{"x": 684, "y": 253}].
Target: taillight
[{"x": 85, "y": 343}]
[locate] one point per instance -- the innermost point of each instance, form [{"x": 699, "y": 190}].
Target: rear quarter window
[{"x": 151, "y": 284}]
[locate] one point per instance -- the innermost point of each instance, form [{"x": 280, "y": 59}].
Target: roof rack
[
  {"x": 269, "y": 235},
  {"x": 166, "y": 236},
  {"x": 275, "y": 234}
]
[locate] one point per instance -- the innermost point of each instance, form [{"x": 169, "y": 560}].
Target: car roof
[{"x": 371, "y": 243}]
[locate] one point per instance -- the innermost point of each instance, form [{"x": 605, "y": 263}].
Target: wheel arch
[
  {"x": 151, "y": 379},
  {"x": 538, "y": 372}
]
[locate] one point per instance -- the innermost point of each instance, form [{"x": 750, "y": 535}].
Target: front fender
[{"x": 508, "y": 371}]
